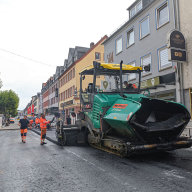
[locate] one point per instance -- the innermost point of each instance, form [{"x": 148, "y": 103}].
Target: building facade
[
  {"x": 67, "y": 80},
  {"x": 54, "y": 91},
  {"x": 40, "y": 103},
  {"x": 143, "y": 40},
  {"x": 70, "y": 80},
  {"x": 184, "y": 24}
]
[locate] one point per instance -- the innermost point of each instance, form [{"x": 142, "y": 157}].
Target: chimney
[{"x": 92, "y": 44}]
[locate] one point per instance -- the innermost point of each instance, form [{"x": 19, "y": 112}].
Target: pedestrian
[
  {"x": 43, "y": 126},
  {"x": 68, "y": 120},
  {"x": 23, "y": 123}
]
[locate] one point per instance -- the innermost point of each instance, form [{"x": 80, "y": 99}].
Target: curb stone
[{"x": 9, "y": 129}]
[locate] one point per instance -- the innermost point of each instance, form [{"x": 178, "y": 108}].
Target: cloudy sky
[{"x": 35, "y": 36}]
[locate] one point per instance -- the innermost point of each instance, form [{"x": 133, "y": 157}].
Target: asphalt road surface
[{"x": 31, "y": 167}]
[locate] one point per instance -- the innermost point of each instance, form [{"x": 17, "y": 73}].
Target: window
[
  {"x": 70, "y": 74},
  {"x": 119, "y": 45},
  {"x": 144, "y": 27},
  {"x": 163, "y": 58},
  {"x": 132, "y": 76},
  {"x": 132, "y": 12},
  {"x": 162, "y": 15},
  {"x": 130, "y": 38},
  {"x": 97, "y": 56},
  {"x": 71, "y": 91},
  {"x": 73, "y": 72},
  {"x": 136, "y": 9},
  {"x": 139, "y": 6},
  {"x": 146, "y": 60}
]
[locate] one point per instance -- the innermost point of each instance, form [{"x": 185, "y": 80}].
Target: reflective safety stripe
[
  {"x": 43, "y": 134},
  {"x": 23, "y": 133}
]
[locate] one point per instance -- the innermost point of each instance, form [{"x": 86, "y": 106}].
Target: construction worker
[
  {"x": 37, "y": 122},
  {"x": 43, "y": 126},
  {"x": 129, "y": 86},
  {"x": 23, "y": 123}
]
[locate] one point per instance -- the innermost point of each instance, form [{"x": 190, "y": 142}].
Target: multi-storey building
[
  {"x": 45, "y": 96},
  {"x": 49, "y": 93},
  {"x": 39, "y": 103},
  {"x": 53, "y": 91},
  {"x": 143, "y": 40},
  {"x": 67, "y": 79},
  {"x": 35, "y": 104},
  {"x": 70, "y": 80}
]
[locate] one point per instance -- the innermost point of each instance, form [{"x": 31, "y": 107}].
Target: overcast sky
[{"x": 44, "y": 30}]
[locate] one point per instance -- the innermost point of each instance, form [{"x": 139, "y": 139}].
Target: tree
[
  {"x": 1, "y": 84},
  {"x": 9, "y": 102}
]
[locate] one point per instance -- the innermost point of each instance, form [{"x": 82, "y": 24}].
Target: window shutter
[
  {"x": 146, "y": 60},
  {"x": 163, "y": 56}
]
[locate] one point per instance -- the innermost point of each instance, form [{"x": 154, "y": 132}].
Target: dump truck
[{"x": 124, "y": 120}]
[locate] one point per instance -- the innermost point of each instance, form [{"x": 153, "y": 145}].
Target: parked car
[{"x": 12, "y": 120}]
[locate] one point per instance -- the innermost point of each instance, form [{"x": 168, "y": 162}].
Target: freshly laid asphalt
[{"x": 31, "y": 167}]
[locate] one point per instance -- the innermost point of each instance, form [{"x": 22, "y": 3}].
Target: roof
[{"x": 98, "y": 43}]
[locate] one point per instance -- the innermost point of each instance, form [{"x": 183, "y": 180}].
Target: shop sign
[
  {"x": 177, "y": 55},
  {"x": 150, "y": 82},
  {"x": 70, "y": 102},
  {"x": 176, "y": 46}
]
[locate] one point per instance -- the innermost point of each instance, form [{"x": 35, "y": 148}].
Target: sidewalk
[{"x": 13, "y": 126}]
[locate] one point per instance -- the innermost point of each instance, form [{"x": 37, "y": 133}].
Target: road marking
[{"x": 173, "y": 173}]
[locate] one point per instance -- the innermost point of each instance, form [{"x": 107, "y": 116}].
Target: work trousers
[
  {"x": 23, "y": 134},
  {"x": 43, "y": 134}
]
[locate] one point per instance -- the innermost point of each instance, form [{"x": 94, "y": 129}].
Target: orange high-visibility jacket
[
  {"x": 43, "y": 123},
  {"x": 134, "y": 86},
  {"x": 37, "y": 121},
  {"x": 30, "y": 122}
]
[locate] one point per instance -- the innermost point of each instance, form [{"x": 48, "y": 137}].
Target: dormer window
[{"x": 136, "y": 9}]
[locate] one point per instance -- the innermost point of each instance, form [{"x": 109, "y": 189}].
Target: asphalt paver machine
[{"x": 121, "y": 119}]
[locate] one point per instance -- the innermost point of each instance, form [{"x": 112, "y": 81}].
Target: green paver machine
[{"x": 120, "y": 119}]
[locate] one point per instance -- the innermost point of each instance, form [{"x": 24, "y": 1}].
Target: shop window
[
  {"x": 144, "y": 27},
  {"x": 119, "y": 45},
  {"x": 130, "y": 38},
  {"x": 163, "y": 58},
  {"x": 162, "y": 15}
]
